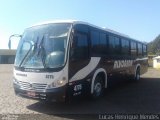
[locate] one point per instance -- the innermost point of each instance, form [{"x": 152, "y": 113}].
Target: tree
[{"x": 154, "y": 46}]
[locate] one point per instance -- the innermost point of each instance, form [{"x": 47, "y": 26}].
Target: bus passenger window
[
  {"x": 144, "y": 50},
  {"x": 139, "y": 49},
  {"x": 125, "y": 47},
  {"x": 133, "y": 49},
  {"x": 114, "y": 45},
  {"x": 80, "y": 46},
  {"x": 98, "y": 43}
]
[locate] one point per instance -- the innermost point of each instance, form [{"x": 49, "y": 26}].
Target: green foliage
[{"x": 154, "y": 46}]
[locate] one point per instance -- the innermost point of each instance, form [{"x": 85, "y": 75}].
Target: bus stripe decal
[{"x": 81, "y": 74}]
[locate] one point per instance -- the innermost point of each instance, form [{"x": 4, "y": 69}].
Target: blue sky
[{"x": 140, "y": 19}]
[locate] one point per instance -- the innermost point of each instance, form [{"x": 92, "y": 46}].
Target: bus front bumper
[{"x": 52, "y": 95}]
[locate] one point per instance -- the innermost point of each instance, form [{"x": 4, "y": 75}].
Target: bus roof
[
  {"x": 86, "y": 23},
  {"x": 54, "y": 21}
]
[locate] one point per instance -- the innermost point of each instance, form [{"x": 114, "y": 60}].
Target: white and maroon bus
[{"x": 58, "y": 59}]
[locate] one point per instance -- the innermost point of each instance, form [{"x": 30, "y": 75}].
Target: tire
[
  {"x": 97, "y": 88},
  {"x": 137, "y": 75}
]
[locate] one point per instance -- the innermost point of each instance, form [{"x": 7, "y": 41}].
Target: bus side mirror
[{"x": 13, "y": 37}]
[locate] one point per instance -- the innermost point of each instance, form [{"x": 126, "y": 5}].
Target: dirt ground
[{"x": 142, "y": 97}]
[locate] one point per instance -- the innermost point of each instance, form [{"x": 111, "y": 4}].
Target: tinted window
[
  {"x": 144, "y": 50},
  {"x": 81, "y": 28},
  {"x": 103, "y": 40},
  {"x": 133, "y": 48},
  {"x": 114, "y": 45},
  {"x": 99, "y": 43},
  {"x": 102, "y": 44},
  {"x": 139, "y": 49},
  {"x": 94, "y": 40},
  {"x": 80, "y": 46},
  {"x": 125, "y": 46}
]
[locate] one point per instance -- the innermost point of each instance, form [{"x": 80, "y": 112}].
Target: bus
[{"x": 57, "y": 60}]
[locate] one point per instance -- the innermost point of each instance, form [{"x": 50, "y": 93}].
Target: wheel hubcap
[
  {"x": 138, "y": 76},
  {"x": 97, "y": 89}
]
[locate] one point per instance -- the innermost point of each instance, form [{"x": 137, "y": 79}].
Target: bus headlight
[
  {"x": 61, "y": 82},
  {"x": 57, "y": 83}
]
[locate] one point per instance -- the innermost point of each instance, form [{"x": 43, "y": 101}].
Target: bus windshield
[{"x": 43, "y": 46}]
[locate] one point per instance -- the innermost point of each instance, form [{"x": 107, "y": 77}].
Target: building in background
[
  {"x": 150, "y": 60},
  {"x": 7, "y": 56},
  {"x": 156, "y": 62}
]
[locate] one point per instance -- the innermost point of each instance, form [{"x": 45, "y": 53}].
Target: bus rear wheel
[{"x": 137, "y": 75}]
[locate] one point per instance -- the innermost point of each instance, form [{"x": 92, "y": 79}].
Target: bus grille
[{"x": 34, "y": 86}]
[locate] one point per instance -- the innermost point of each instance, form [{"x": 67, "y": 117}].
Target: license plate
[{"x": 31, "y": 94}]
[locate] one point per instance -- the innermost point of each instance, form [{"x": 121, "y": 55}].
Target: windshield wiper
[
  {"x": 26, "y": 53},
  {"x": 41, "y": 51},
  {"x": 38, "y": 50}
]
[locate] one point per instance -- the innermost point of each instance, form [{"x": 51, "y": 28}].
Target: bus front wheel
[{"x": 97, "y": 87}]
